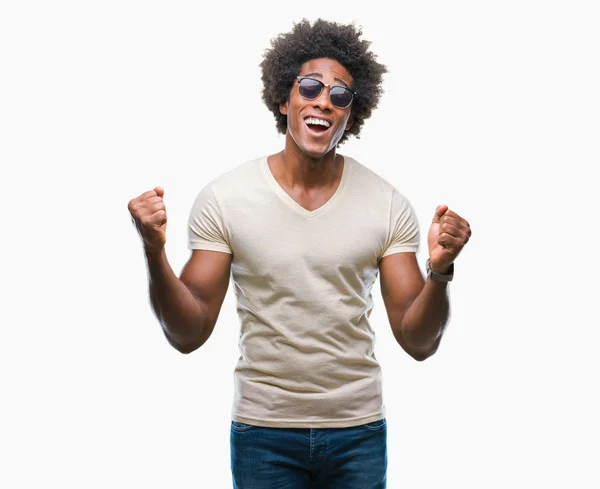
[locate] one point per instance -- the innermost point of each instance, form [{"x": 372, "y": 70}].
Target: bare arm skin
[
  {"x": 186, "y": 307},
  {"x": 418, "y": 310}
]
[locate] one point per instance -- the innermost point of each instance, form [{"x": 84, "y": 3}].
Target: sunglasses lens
[
  {"x": 341, "y": 97},
  {"x": 310, "y": 89}
]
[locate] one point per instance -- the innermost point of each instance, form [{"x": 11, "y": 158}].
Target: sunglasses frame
[{"x": 331, "y": 87}]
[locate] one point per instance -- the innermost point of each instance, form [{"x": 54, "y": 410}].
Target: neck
[{"x": 294, "y": 168}]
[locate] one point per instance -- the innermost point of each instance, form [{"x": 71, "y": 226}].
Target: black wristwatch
[{"x": 438, "y": 276}]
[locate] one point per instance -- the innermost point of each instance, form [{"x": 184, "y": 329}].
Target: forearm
[
  {"x": 180, "y": 313},
  {"x": 425, "y": 319}
]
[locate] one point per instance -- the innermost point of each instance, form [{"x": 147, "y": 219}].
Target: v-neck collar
[{"x": 292, "y": 204}]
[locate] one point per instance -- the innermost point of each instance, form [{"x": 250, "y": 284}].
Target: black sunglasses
[{"x": 310, "y": 89}]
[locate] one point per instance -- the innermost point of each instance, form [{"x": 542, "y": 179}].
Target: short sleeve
[
  {"x": 206, "y": 228},
  {"x": 403, "y": 235}
]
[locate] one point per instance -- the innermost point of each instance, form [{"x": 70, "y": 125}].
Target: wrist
[
  {"x": 440, "y": 269},
  {"x": 151, "y": 253},
  {"x": 439, "y": 273}
]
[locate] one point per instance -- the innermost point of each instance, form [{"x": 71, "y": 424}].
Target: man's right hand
[{"x": 150, "y": 218}]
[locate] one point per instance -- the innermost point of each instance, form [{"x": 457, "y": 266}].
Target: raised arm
[
  {"x": 186, "y": 307},
  {"x": 418, "y": 309}
]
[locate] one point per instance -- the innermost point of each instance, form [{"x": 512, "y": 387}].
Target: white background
[{"x": 489, "y": 107}]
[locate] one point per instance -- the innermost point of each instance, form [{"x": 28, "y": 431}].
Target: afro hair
[{"x": 283, "y": 61}]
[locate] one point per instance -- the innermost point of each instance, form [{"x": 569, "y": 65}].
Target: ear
[
  {"x": 349, "y": 123},
  {"x": 283, "y": 107}
]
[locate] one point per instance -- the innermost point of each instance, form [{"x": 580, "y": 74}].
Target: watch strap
[{"x": 438, "y": 276}]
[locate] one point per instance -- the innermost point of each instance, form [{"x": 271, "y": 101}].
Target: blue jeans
[{"x": 309, "y": 458}]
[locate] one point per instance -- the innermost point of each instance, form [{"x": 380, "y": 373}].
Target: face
[{"x": 316, "y": 126}]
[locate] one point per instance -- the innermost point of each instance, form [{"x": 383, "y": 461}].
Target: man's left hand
[{"x": 447, "y": 235}]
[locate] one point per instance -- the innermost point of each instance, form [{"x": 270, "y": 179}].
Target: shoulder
[
  {"x": 367, "y": 180},
  {"x": 233, "y": 183},
  {"x": 242, "y": 176}
]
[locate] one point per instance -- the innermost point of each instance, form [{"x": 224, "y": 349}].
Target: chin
[
  {"x": 315, "y": 151},
  {"x": 312, "y": 149},
  {"x": 315, "y": 155}
]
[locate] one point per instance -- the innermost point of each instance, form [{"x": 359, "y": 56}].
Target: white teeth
[{"x": 319, "y": 122}]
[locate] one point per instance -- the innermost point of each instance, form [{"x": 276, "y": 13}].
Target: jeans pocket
[
  {"x": 376, "y": 425},
  {"x": 241, "y": 427}
]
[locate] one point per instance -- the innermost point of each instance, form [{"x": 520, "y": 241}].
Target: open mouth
[{"x": 318, "y": 126}]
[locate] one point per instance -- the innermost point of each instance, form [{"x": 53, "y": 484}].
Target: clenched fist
[
  {"x": 447, "y": 235},
  {"x": 150, "y": 218}
]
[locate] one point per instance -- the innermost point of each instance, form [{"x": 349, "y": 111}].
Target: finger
[
  {"x": 143, "y": 213},
  {"x": 451, "y": 214},
  {"x": 459, "y": 224},
  {"x": 439, "y": 212},
  {"x": 154, "y": 220},
  {"x": 451, "y": 243},
  {"x": 140, "y": 207},
  {"x": 151, "y": 209},
  {"x": 464, "y": 226},
  {"x": 156, "y": 192},
  {"x": 147, "y": 195},
  {"x": 453, "y": 217},
  {"x": 153, "y": 200},
  {"x": 159, "y": 217},
  {"x": 467, "y": 231},
  {"x": 134, "y": 203},
  {"x": 452, "y": 228}
]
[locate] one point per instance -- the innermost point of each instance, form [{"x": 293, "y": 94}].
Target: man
[{"x": 304, "y": 234}]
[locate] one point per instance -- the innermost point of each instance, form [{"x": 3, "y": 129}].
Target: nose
[{"x": 323, "y": 101}]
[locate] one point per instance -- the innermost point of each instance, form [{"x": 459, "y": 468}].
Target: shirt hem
[
  {"x": 401, "y": 249},
  {"x": 209, "y": 247},
  {"x": 300, "y": 423}
]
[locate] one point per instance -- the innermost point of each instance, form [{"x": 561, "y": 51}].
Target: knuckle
[
  {"x": 147, "y": 221},
  {"x": 448, "y": 220},
  {"x": 447, "y": 228}
]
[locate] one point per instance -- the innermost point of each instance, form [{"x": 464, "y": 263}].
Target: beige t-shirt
[{"x": 303, "y": 282}]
